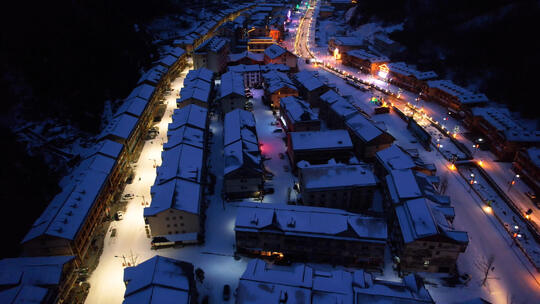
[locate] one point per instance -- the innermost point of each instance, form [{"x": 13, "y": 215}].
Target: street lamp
[
  {"x": 476, "y": 146},
  {"x": 472, "y": 181},
  {"x": 513, "y": 181}
]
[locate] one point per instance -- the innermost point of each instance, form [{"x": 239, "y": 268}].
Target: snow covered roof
[
  {"x": 501, "y": 119},
  {"x": 214, "y": 44},
  {"x": 407, "y": 70},
  {"x": 22, "y": 294},
  {"x": 183, "y": 161},
  {"x": 331, "y": 97},
  {"x": 198, "y": 84},
  {"x": 153, "y": 75},
  {"x": 310, "y": 222},
  {"x": 344, "y": 109},
  {"x": 321, "y": 140},
  {"x": 328, "y": 176},
  {"x": 276, "y": 80},
  {"x": 176, "y": 194},
  {"x": 464, "y": 96},
  {"x": 364, "y": 55},
  {"x": 185, "y": 135},
  {"x": 194, "y": 92},
  {"x": 37, "y": 271},
  {"x": 106, "y": 147},
  {"x": 168, "y": 60},
  {"x": 417, "y": 220},
  {"x": 405, "y": 184},
  {"x": 121, "y": 126},
  {"x": 134, "y": 106},
  {"x": 202, "y": 73},
  {"x": 67, "y": 212},
  {"x": 393, "y": 158},
  {"x": 234, "y": 57},
  {"x": 309, "y": 80},
  {"x": 177, "y": 52},
  {"x": 270, "y": 283},
  {"x": 244, "y": 68},
  {"x": 191, "y": 115},
  {"x": 274, "y": 51},
  {"x": 232, "y": 83},
  {"x": 159, "y": 280},
  {"x": 365, "y": 128},
  {"x": 297, "y": 109},
  {"x": 348, "y": 40},
  {"x": 274, "y": 67},
  {"x": 144, "y": 91},
  {"x": 242, "y": 154},
  {"x": 239, "y": 125}
]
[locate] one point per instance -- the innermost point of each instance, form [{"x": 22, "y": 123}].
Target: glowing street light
[{"x": 513, "y": 181}]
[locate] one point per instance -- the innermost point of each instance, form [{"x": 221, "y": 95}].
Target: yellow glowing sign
[
  {"x": 337, "y": 55},
  {"x": 383, "y": 71}
]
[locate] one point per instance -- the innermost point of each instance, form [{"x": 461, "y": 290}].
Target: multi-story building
[
  {"x": 408, "y": 77},
  {"x": 335, "y": 185},
  {"x": 45, "y": 280},
  {"x": 212, "y": 54},
  {"x": 311, "y": 86},
  {"x": 246, "y": 58},
  {"x": 396, "y": 158},
  {"x": 198, "y": 88},
  {"x": 310, "y": 233},
  {"x": 276, "y": 54},
  {"x": 325, "y": 100},
  {"x": 385, "y": 45},
  {"x": 253, "y": 73},
  {"x": 297, "y": 116},
  {"x": 185, "y": 135},
  {"x": 337, "y": 110},
  {"x": 318, "y": 147},
  {"x": 157, "y": 77},
  {"x": 243, "y": 171},
  {"x": 258, "y": 44},
  {"x": 527, "y": 164},
  {"x": 344, "y": 44},
  {"x": 277, "y": 85},
  {"x": 505, "y": 134},
  {"x": 299, "y": 283},
  {"x": 326, "y": 11},
  {"x": 192, "y": 116},
  {"x": 422, "y": 237},
  {"x": 367, "y": 137},
  {"x": 363, "y": 60},
  {"x": 160, "y": 279},
  {"x": 232, "y": 94},
  {"x": 453, "y": 96}
]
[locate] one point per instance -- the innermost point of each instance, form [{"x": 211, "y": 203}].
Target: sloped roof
[
  {"x": 232, "y": 83},
  {"x": 175, "y": 194},
  {"x": 144, "y": 91},
  {"x": 328, "y": 176},
  {"x": 121, "y": 126},
  {"x": 313, "y": 140},
  {"x": 183, "y": 161},
  {"x": 133, "y": 106},
  {"x": 274, "y": 51},
  {"x": 309, "y": 80},
  {"x": 191, "y": 115},
  {"x": 185, "y": 135}
]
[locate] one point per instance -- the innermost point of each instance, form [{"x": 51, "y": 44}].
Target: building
[
  {"x": 408, "y": 77},
  {"x": 422, "y": 237},
  {"x": 243, "y": 171},
  {"x": 527, "y": 165},
  {"x": 368, "y": 138},
  {"x": 453, "y": 96},
  {"x": 160, "y": 280},
  {"x": 344, "y": 44},
  {"x": 297, "y": 116},
  {"x": 506, "y": 134},
  {"x": 299, "y": 283},
  {"x": 252, "y": 74},
  {"x": 318, "y": 147},
  {"x": 276, "y": 54},
  {"x": 158, "y": 77},
  {"x": 311, "y": 86},
  {"x": 67, "y": 225},
  {"x": 232, "y": 94},
  {"x": 212, "y": 54},
  {"x": 326, "y": 11},
  {"x": 277, "y": 85},
  {"x": 385, "y": 45},
  {"x": 338, "y": 110},
  {"x": 309, "y": 233},
  {"x": 342, "y": 5},
  {"x": 246, "y": 58},
  {"x": 396, "y": 158},
  {"x": 335, "y": 185},
  {"x": 365, "y": 61},
  {"x": 325, "y": 100},
  {"x": 37, "y": 279},
  {"x": 198, "y": 88},
  {"x": 259, "y": 44}
]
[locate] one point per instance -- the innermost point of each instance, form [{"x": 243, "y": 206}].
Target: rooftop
[
  {"x": 348, "y": 41},
  {"x": 394, "y": 158},
  {"x": 465, "y": 96},
  {"x": 153, "y": 75},
  {"x": 159, "y": 280},
  {"x": 501, "y": 119},
  {"x": 407, "y": 70},
  {"x": 191, "y": 115},
  {"x": 239, "y": 125},
  {"x": 175, "y": 194},
  {"x": 232, "y": 83},
  {"x": 309, "y": 80},
  {"x": 364, "y": 55},
  {"x": 134, "y": 106},
  {"x": 310, "y": 221},
  {"x": 37, "y": 271},
  {"x": 276, "y": 80},
  {"x": 183, "y": 161},
  {"x": 336, "y": 175},
  {"x": 214, "y": 44},
  {"x": 202, "y": 73},
  {"x": 121, "y": 127},
  {"x": 144, "y": 91},
  {"x": 321, "y": 140},
  {"x": 274, "y": 51},
  {"x": 185, "y": 135},
  {"x": 363, "y": 127},
  {"x": 297, "y": 109},
  {"x": 258, "y": 57},
  {"x": 331, "y": 97}
]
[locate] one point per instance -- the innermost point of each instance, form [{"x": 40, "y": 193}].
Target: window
[
  {"x": 180, "y": 217},
  {"x": 174, "y": 217},
  {"x": 167, "y": 218},
  {"x": 169, "y": 232},
  {"x": 168, "y": 225},
  {"x": 176, "y": 232},
  {"x": 175, "y": 225},
  {"x": 182, "y": 224},
  {"x": 437, "y": 253},
  {"x": 183, "y": 231}
]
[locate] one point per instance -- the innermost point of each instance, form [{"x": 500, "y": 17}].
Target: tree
[{"x": 486, "y": 265}]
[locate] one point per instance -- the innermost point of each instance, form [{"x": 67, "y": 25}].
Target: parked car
[
  {"x": 119, "y": 215},
  {"x": 226, "y": 292}
]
